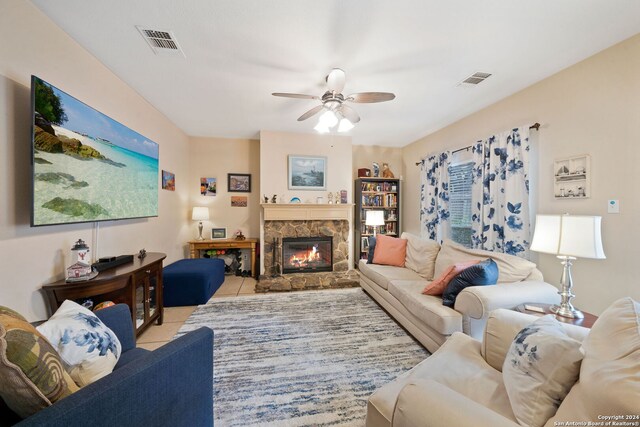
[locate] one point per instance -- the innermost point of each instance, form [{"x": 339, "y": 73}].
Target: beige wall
[
  {"x": 31, "y": 257},
  {"x": 215, "y": 158},
  {"x": 365, "y": 155},
  {"x": 275, "y": 148},
  {"x": 591, "y": 108}
]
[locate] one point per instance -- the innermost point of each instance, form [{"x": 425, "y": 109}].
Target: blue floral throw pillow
[
  {"x": 542, "y": 365},
  {"x": 89, "y": 349},
  {"x": 372, "y": 249},
  {"x": 481, "y": 274}
]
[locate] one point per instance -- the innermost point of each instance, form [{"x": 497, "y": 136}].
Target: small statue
[
  {"x": 266, "y": 199},
  {"x": 330, "y": 198},
  {"x": 337, "y": 197},
  {"x": 239, "y": 235},
  {"x": 274, "y": 199},
  {"x": 376, "y": 170},
  {"x": 386, "y": 172},
  {"x": 142, "y": 253}
]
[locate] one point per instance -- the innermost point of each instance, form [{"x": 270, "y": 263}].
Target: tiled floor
[{"x": 174, "y": 317}]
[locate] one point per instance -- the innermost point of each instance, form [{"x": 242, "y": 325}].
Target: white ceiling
[{"x": 240, "y": 51}]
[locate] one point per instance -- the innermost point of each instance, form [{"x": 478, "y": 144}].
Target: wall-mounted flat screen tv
[{"x": 86, "y": 166}]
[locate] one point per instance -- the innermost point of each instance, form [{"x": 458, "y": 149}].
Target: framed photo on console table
[
  {"x": 307, "y": 173},
  {"x": 218, "y": 233}
]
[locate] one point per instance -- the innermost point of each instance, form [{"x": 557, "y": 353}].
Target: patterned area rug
[{"x": 301, "y": 359}]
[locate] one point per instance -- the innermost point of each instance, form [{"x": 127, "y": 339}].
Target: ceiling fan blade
[
  {"x": 349, "y": 114},
  {"x": 335, "y": 80},
  {"x": 312, "y": 112},
  {"x": 370, "y": 97},
  {"x": 295, "y": 95}
]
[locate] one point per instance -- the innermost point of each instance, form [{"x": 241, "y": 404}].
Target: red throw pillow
[
  {"x": 438, "y": 285},
  {"x": 390, "y": 251}
]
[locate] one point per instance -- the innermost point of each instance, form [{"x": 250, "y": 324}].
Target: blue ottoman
[{"x": 191, "y": 281}]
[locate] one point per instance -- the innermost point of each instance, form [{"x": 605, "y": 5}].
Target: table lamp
[
  {"x": 375, "y": 219},
  {"x": 200, "y": 214},
  {"x": 568, "y": 237}
]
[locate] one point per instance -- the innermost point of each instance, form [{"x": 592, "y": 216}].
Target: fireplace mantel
[{"x": 307, "y": 211}]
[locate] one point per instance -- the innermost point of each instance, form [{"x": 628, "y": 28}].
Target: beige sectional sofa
[
  {"x": 399, "y": 290},
  {"x": 463, "y": 383}
]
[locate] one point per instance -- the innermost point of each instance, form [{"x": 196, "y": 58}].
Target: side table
[
  {"x": 586, "y": 322},
  {"x": 195, "y": 246}
]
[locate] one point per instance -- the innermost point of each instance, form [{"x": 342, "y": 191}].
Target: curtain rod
[{"x": 535, "y": 126}]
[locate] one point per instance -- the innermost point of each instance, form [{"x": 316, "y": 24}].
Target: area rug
[{"x": 301, "y": 359}]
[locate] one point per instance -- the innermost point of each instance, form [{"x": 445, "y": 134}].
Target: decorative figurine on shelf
[
  {"x": 330, "y": 198},
  {"x": 337, "y": 198},
  {"x": 386, "y": 172},
  {"x": 266, "y": 199},
  {"x": 81, "y": 270},
  {"x": 142, "y": 253},
  {"x": 376, "y": 170},
  {"x": 239, "y": 235},
  {"x": 274, "y": 199}
]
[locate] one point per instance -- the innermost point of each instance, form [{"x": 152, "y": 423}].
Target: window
[{"x": 460, "y": 180}]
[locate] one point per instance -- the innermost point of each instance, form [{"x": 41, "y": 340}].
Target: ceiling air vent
[
  {"x": 162, "y": 42},
  {"x": 474, "y": 79}
]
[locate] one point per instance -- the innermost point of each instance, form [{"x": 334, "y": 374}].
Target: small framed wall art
[
  {"x": 208, "y": 186},
  {"x": 239, "y": 201},
  {"x": 307, "y": 173},
  {"x": 572, "y": 177},
  {"x": 168, "y": 181},
  {"x": 219, "y": 233},
  {"x": 239, "y": 182}
]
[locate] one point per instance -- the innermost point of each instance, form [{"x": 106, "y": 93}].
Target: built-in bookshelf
[{"x": 375, "y": 194}]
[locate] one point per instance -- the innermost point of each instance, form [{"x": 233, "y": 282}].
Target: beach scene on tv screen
[{"x": 87, "y": 166}]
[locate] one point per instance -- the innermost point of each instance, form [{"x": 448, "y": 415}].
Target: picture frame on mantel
[{"x": 307, "y": 173}]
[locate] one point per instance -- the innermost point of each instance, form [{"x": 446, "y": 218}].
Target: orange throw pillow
[
  {"x": 390, "y": 251},
  {"x": 438, "y": 285}
]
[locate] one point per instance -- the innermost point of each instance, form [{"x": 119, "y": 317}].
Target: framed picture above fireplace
[{"x": 307, "y": 172}]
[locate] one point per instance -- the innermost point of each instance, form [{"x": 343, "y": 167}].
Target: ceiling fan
[{"x": 336, "y": 112}]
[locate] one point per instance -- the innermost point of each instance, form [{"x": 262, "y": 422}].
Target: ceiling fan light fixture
[
  {"x": 321, "y": 128},
  {"x": 328, "y": 119},
  {"x": 345, "y": 125}
]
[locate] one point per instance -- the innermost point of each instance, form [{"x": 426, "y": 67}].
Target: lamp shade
[
  {"x": 374, "y": 218},
  {"x": 569, "y": 235},
  {"x": 200, "y": 213}
]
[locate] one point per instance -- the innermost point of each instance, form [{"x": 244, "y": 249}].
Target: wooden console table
[
  {"x": 195, "y": 246},
  {"x": 137, "y": 284}
]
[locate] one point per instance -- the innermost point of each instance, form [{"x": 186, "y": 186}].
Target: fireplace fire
[{"x": 307, "y": 254}]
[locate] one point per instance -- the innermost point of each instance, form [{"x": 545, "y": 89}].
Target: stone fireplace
[{"x": 291, "y": 228}]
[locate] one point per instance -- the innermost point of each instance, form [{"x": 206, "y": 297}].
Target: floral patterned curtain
[
  {"x": 434, "y": 196},
  {"x": 500, "y": 215}
]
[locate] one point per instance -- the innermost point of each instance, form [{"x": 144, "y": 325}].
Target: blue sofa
[{"x": 171, "y": 386}]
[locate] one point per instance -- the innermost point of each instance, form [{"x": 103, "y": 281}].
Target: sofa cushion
[
  {"x": 88, "y": 347},
  {"x": 390, "y": 251},
  {"x": 439, "y": 284},
  {"x": 383, "y": 274},
  {"x": 457, "y": 365},
  {"x": 542, "y": 365},
  {"x": 482, "y": 274},
  {"x": 427, "y": 308},
  {"x": 32, "y": 374},
  {"x": 372, "y": 249},
  {"x": 511, "y": 268},
  {"x": 421, "y": 255},
  {"x": 609, "y": 381}
]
